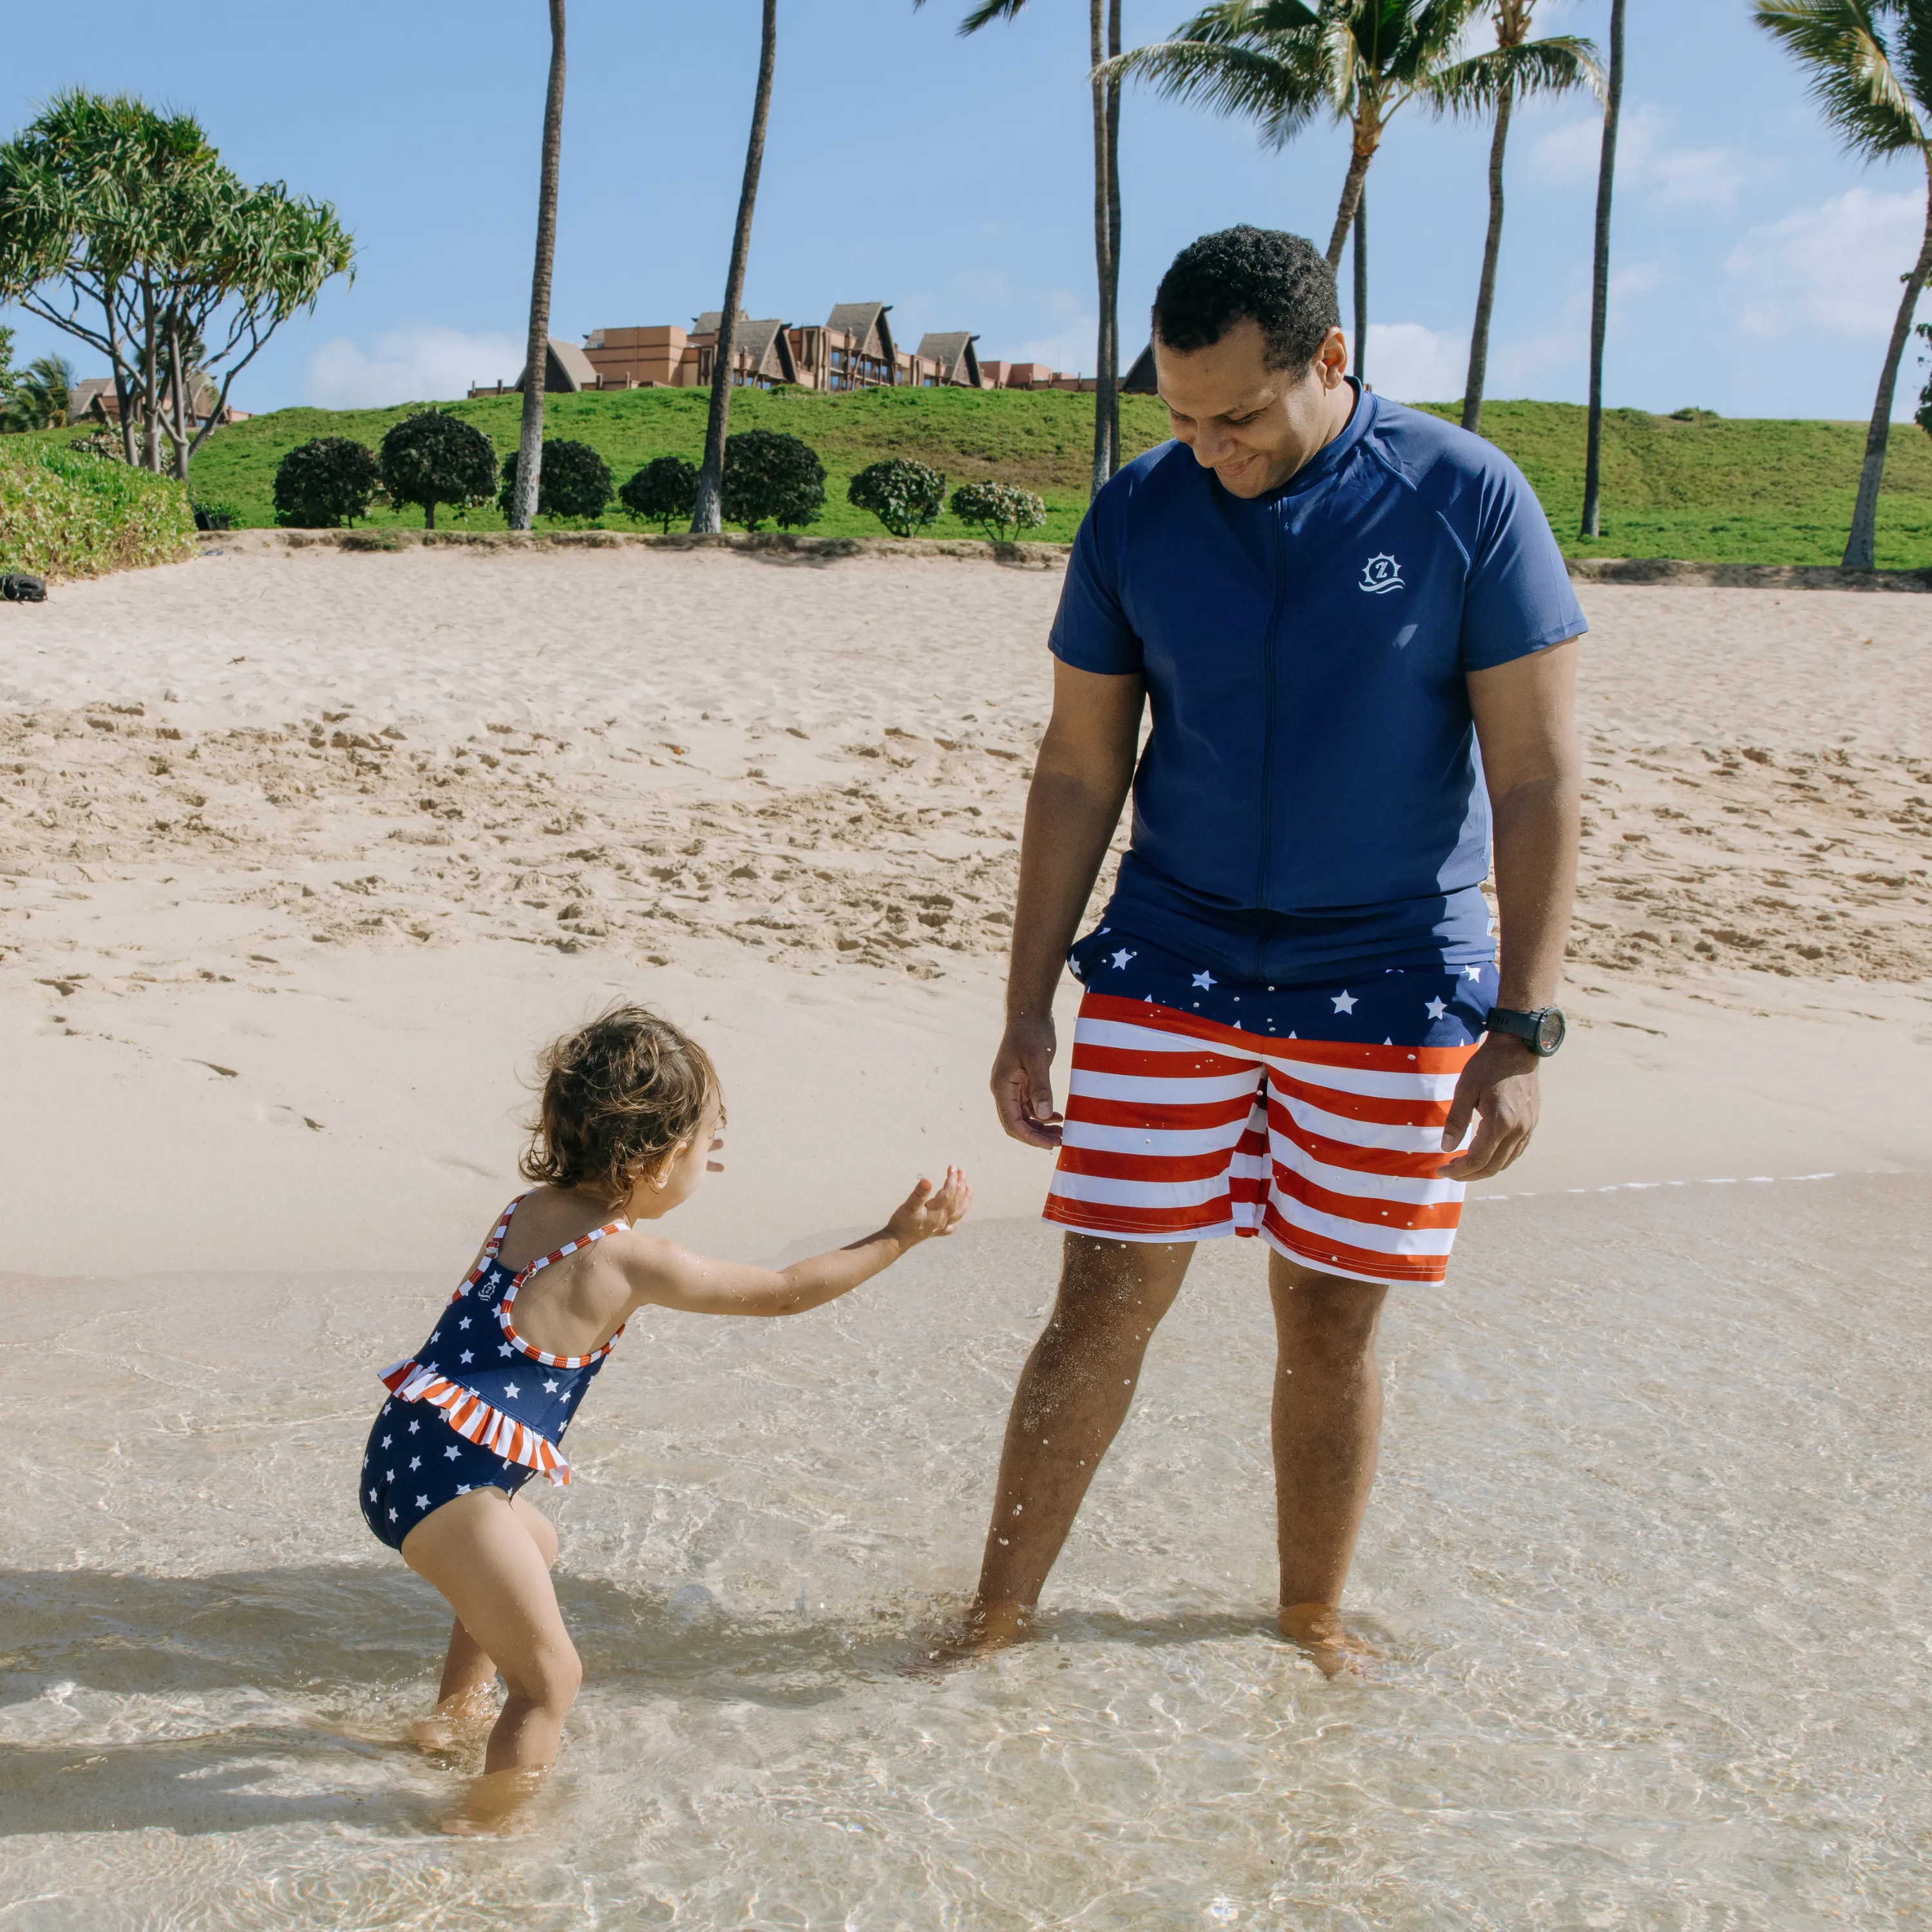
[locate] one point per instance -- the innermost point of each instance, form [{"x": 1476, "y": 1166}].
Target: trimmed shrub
[
  {"x": 1000, "y": 510},
  {"x": 663, "y": 492},
  {"x": 326, "y": 483},
  {"x": 431, "y": 458},
  {"x": 65, "y": 516},
  {"x": 770, "y": 477},
  {"x": 904, "y": 495},
  {"x": 572, "y": 481}
]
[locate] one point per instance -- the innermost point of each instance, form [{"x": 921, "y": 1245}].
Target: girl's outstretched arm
[{"x": 673, "y": 1277}]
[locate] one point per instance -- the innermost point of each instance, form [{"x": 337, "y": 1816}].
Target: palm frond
[
  {"x": 1561, "y": 65},
  {"x": 1849, "y": 73},
  {"x": 985, "y": 14},
  {"x": 1280, "y": 95}
]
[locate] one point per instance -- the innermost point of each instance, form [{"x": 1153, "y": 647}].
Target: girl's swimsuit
[{"x": 476, "y": 1406}]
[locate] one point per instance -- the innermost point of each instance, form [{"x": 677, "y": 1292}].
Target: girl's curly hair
[{"x": 618, "y": 1095}]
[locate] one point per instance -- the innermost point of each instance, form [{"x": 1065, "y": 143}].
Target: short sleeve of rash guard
[
  {"x": 1091, "y": 631},
  {"x": 1518, "y": 597}
]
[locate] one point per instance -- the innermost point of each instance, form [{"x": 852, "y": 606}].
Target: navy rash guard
[{"x": 1310, "y": 802}]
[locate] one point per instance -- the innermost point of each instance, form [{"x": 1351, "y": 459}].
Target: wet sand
[{"x": 302, "y": 854}]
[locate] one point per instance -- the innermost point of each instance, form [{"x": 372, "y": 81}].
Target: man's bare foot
[
  {"x": 1332, "y": 1647},
  {"x": 456, "y": 1721},
  {"x": 493, "y": 1802},
  {"x": 986, "y": 1627}
]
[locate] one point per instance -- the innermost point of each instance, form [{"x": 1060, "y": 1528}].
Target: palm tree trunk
[
  {"x": 706, "y": 519},
  {"x": 1860, "y": 546},
  {"x": 1110, "y": 375},
  {"x": 1600, "y": 292},
  {"x": 1097, "y": 36},
  {"x": 1486, "y": 289},
  {"x": 536, "y": 359},
  {"x": 1359, "y": 159},
  {"x": 1361, "y": 230}
]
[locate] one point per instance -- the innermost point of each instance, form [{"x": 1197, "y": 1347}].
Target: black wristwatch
[{"x": 1542, "y": 1031}]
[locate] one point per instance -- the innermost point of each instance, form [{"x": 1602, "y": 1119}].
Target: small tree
[
  {"x": 322, "y": 484},
  {"x": 1000, "y": 510},
  {"x": 431, "y": 458},
  {"x": 772, "y": 477},
  {"x": 662, "y": 493},
  {"x": 120, "y": 226},
  {"x": 904, "y": 495},
  {"x": 572, "y": 481}
]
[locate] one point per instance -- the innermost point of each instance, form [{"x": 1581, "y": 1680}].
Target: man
[{"x": 1354, "y": 632}]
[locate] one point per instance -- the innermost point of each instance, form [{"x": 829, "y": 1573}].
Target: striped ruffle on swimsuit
[{"x": 476, "y": 1406}]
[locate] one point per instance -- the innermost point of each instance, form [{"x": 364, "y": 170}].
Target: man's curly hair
[
  {"x": 619, "y": 1096},
  {"x": 1276, "y": 279}
]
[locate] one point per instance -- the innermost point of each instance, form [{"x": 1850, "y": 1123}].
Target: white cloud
[
  {"x": 1708, "y": 178},
  {"x": 408, "y": 365},
  {"x": 1834, "y": 266},
  {"x": 1412, "y": 364}
]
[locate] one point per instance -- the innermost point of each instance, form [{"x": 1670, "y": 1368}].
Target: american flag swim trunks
[{"x": 1312, "y": 1116}]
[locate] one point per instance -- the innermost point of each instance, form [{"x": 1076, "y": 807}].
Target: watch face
[{"x": 1550, "y": 1028}]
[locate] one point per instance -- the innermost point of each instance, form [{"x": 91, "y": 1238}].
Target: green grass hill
[{"x": 1692, "y": 485}]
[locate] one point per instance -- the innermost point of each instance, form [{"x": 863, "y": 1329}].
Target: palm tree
[
  {"x": 1555, "y": 57},
  {"x": 1103, "y": 30},
  {"x": 536, "y": 360},
  {"x": 38, "y": 395},
  {"x": 1280, "y": 62},
  {"x": 1361, "y": 232},
  {"x": 1870, "y": 64},
  {"x": 707, "y": 518},
  {"x": 1599, "y": 279}
]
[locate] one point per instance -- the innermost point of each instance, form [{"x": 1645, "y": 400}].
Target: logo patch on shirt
[{"x": 1381, "y": 573}]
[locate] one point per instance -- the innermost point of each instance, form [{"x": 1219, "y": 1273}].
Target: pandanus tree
[
  {"x": 523, "y": 505},
  {"x": 1869, "y": 65},
  {"x": 120, "y": 227},
  {"x": 1523, "y": 66},
  {"x": 1281, "y": 63},
  {"x": 1103, "y": 34},
  {"x": 707, "y": 518}
]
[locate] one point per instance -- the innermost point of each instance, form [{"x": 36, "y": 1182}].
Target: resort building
[
  {"x": 95, "y": 400},
  {"x": 852, "y": 349}
]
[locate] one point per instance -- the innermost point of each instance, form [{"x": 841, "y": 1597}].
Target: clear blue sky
[{"x": 1756, "y": 264}]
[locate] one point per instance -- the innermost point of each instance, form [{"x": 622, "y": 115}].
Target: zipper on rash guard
[{"x": 1276, "y": 511}]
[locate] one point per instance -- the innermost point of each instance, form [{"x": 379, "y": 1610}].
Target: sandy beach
[{"x": 303, "y": 853}]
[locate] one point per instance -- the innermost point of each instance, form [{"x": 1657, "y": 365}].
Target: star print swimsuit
[{"x": 476, "y": 1406}]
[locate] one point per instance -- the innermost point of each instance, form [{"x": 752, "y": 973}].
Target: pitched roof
[
  {"x": 707, "y": 324},
  {"x": 566, "y": 370},
  {"x": 1138, "y": 381},
  {"x": 867, "y": 321},
  {"x": 80, "y": 398},
  {"x": 953, "y": 350}
]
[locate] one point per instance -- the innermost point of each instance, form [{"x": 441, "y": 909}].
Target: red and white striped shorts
[{"x": 1180, "y": 1127}]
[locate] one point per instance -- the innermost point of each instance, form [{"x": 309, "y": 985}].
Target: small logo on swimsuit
[{"x": 1381, "y": 573}]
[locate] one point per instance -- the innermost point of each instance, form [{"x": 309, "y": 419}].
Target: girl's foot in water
[
  {"x": 464, "y": 1719},
  {"x": 1330, "y": 1645},
  {"x": 493, "y": 1801}
]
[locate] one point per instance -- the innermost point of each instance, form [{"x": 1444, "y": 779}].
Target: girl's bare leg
[
  {"x": 465, "y": 1702},
  {"x": 482, "y": 1552}
]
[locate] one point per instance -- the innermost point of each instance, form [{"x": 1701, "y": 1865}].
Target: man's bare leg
[
  {"x": 1327, "y": 1427},
  {"x": 1072, "y": 1397}
]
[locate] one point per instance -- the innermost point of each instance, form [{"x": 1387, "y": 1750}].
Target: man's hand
[
  {"x": 1498, "y": 1086},
  {"x": 1023, "y": 1081}
]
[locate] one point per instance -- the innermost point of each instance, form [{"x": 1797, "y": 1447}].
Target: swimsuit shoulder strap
[
  {"x": 490, "y": 1247},
  {"x": 617, "y": 1227}
]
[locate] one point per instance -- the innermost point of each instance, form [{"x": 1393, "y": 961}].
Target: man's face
[{"x": 1253, "y": 426}]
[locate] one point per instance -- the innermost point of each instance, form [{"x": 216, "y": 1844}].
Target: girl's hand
[{"x": 927, "y": 1210}]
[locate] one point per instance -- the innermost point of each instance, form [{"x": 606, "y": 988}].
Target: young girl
[{"x": 628, "y": 1121}]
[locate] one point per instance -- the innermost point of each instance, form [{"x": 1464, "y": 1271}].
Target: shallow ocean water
[{"x": 1647, "y": 1558}]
